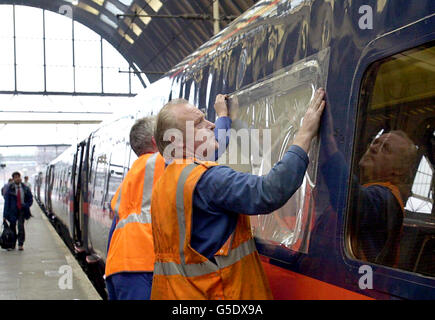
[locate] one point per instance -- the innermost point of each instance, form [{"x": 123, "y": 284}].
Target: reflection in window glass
[
  {"x": 281, "y": 114},
  {"x": 392, "y": 217},
  {"x": 422, "y": 191}
]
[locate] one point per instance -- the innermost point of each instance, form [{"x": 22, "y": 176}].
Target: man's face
[
  {"x": 17, "y": 179},
  {"x": 192, "y": 120},
  {"x": 383, "y": 158}
]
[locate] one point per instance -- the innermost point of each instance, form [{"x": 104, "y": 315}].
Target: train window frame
[{"x": 365, "y": 94}]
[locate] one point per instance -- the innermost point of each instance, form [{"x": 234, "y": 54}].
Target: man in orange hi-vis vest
[
  {"x": 130, "y": 257},
  {"x": 202, "y": 237},
  {"x": 386, "y": 171}
]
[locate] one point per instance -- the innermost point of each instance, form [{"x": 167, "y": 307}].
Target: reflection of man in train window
[
  {"x": 379, "y": 197},
  {"x": 386, "y": 172}
]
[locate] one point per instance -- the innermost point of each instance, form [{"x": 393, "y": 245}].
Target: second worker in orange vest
[
  {"x": 130, "y": 257},
  {"x": 202, "y": 237}
]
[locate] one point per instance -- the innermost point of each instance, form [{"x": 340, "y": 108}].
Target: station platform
[{"x": 43, "y": 270}]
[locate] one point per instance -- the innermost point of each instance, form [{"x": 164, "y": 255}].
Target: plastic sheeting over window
[{"x": 270, "y": 113}]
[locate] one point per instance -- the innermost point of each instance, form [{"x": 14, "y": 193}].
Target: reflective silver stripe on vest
[
  {"x": 180, "y": 206},
  {"x": 194, "y": 270},
  {"x": 198, "y": 269},
  {"x": 237, "y": 254},
  {"x": 145, "y": 214}
]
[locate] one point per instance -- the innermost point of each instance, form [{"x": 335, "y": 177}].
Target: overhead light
[
  {"x": 99, "y": 2},
  {"x": 139, "y": 11},
  {"x": 127, "y": 21},
  {"x": 136, "y": 9},
  {"x": 107, "y": 20},
  {"x": 113, "y": 9},
  {"x": 136, "y": 29},
  {"x": 128, "y": 38},
  {"x": 145, "y": 20},
  {"x": 126, "y": 2},
  {"x": 125, "y": 36},
  {"x": 73, "y": 2},
  {"x": 88, "y": 8},
  {"x": 155, "y": 4}
]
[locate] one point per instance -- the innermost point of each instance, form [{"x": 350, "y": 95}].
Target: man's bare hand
[
  {"x": 220, "y": 106},
  {"x": 311, "y": 122}
]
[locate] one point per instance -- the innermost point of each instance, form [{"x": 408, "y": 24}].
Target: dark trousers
[
  {"x": 130, "y": 286},
  {"x": 21, "y": 233}
]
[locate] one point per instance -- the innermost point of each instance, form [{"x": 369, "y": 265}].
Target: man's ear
[
  {"x": 399, "y": 173},
  {"x": 154, "y": 143}
]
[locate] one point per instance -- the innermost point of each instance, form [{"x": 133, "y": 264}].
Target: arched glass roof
[
  {"x": 153, "y": 35},
  {"x": 58, "y": 78},
  {"x": 46, "y": 52}
]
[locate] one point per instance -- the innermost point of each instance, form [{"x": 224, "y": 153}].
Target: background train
[{"x": 376, "y": 60}]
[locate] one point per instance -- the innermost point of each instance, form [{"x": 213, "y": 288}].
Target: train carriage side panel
[{"x": 334, "y": 25}]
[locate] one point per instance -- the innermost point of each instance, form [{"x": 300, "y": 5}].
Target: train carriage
[{"x": 376, "y": 61}]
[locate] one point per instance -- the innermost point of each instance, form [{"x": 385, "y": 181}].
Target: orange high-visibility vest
[
  {"x": 131, "y": 247},
  {"x": 391, "y": 235},
  {"x": 394, "y": 190},
  {"x": 180, "y": 272}
]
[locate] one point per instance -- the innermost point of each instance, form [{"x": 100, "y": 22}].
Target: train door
[
  {"x": 76, "y": 178},
  {"x": 390, "y": 222},
  {"x": 83, "y": 212},
  {"x": 49, "y": 188}
]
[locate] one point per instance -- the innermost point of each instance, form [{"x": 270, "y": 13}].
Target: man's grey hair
[
  {"x": 166, "y": 120},
  {"x": 408, "y": 157},
  {"x": 141, "y": 134}
]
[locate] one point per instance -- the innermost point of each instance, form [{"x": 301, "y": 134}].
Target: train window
[
  {"x": 100, "y": 173},
  {"x": 117, "y": 167},
  {"x": 266, "y": 117},
  {"x": 391, "y": 217}
]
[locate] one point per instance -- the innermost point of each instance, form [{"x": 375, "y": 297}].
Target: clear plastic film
[{"x": 269, "y": 115}]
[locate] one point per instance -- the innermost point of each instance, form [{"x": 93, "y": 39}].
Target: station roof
[{"x": 151, "y": 44}]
